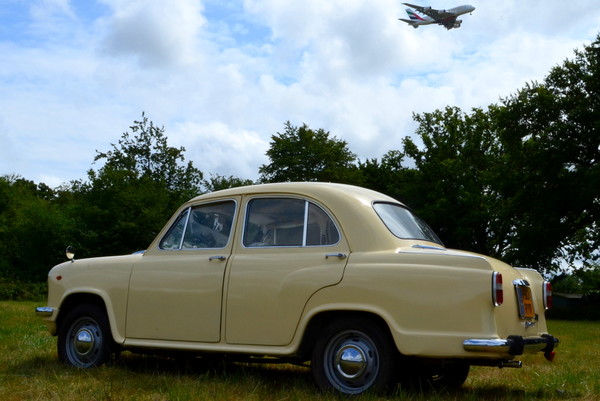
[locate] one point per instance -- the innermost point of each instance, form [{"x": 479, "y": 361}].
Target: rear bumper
[{"x": 514, "y": 345}]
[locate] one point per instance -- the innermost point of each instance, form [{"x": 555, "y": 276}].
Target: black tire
[
  {"x": 354, "y": 356},
  {"x": 84, "y": 338}
]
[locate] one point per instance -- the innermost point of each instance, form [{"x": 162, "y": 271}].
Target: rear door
[{"x": 291, "y": 248}]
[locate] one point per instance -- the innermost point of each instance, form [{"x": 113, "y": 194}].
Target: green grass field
[{"x": 30, "y": 370}]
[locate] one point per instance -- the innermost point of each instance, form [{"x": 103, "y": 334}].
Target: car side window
[
  {"x": 175, "y": 234},
  {"x": 287, "y": 222},
  {"x": 320, "y": 229},
  {"x": 201, "y": 227}
]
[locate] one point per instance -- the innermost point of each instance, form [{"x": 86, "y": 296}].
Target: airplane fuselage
[
  {"x": 460, "y": 10},
  {"x": 426, "y": 15}
]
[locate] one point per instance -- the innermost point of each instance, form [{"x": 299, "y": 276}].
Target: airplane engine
[
  {"x": 457, "y": 23},
  {"x": 426, "y": 8}
]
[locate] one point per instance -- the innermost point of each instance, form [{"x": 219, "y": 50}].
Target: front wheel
[
  {"x": 354, "y": 356},
  {"x": 84, "y": 338}
]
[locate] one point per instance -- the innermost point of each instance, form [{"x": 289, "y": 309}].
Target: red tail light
[
  {"x": 547, "y": 295},
  {"x": 497, "y": 290}
]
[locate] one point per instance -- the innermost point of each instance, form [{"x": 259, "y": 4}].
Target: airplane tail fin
[{"x": 413, "y": 16}]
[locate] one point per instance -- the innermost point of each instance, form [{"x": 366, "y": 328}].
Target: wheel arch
[
  {"x": 79, "y": 298},
  {"x": 321, "y": 319}
]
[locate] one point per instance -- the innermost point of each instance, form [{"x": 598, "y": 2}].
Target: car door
[
  {"x": 291, "y": 248},
  {"x": 176, "y": 290}
]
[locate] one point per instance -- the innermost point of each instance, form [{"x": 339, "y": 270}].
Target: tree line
[{"x": 518, "y": 180}]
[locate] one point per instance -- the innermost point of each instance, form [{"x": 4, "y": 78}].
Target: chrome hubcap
[
  {"x": 351, "y": 361},
  {"x": 84, "y": 341}
]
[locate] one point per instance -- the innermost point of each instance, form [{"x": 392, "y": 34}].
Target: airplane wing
[{"x": 449, "y": 22}]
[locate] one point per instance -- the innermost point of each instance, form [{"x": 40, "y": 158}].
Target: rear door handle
[
  {"x": 336, "y": 255},
  {"x": 220, "y": 258}
]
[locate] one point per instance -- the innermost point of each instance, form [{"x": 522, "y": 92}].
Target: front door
[{"x": 176, "y": 290}]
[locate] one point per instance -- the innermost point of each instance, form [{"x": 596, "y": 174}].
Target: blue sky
[{"x": 223, "y": 76}]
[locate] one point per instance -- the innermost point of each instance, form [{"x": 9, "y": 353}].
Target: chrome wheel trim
[
  {"x": 84, "y": 342},
  {"x": 351, "y": 362}
]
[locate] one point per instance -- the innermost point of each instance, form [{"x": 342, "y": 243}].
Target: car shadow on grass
[
  {"x": 217, "y": 368},
  {"x": 276, "y": 380}
]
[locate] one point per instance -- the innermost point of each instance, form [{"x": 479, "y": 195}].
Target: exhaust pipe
[{"x": 511, "y": 364}]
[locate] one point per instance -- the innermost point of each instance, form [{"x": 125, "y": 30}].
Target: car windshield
[{"x": 403, "y": 223}]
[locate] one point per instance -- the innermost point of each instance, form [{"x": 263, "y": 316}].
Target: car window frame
[
  {"x": 188, "y": 211},
  {"x": 307, "y": 203},
  {"x": 435, "y": 238}
]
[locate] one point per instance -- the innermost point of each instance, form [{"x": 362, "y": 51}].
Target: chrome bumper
[
  {"x": 514, "y": 345},
  {"x": 48, "y": 316},
  {"x": 44, "y": 311}
]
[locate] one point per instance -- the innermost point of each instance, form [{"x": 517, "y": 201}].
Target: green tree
[
  {"x": 217, "y": 182},
  {"x": 147, "y": 156},
  {"x": 128, "y": 200},
  {"x": 33, "y": 229},
  {"x": 391, "y": 177},
  {"x": 520, "y": 180},
  {"x": 582, "y": 281},
  {"x": 550, "y": 132},
  {"x": 455, "y": 177},
  {"x": 303, "y": 154}
]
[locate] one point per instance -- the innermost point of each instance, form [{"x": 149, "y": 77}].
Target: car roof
[
  {"x": 351, "y": 206},
  {"x": 317, "y": 190}
]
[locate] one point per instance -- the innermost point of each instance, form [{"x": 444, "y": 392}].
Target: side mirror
[{"x": 70, "y": 253}]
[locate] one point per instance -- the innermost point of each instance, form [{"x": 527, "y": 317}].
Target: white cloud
[
  {"x": 223, "y": 78},
  {"x": 216, "y": 148},
  {"x": 158, "y": 33}
]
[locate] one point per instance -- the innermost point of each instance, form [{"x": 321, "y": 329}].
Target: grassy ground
[{"x": 29, "y": 370}]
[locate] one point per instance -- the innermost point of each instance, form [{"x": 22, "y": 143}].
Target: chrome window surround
[
  {"x": 420, "y": 223},
  {"x": 188, "y": 210},
  {"x": 307, "y": 204}
]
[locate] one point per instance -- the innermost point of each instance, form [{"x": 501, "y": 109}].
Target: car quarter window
[
  {"x": 403, "y": 223},
  {"x": 201, "y": 227},
  {"x": 288, "y": 222}
]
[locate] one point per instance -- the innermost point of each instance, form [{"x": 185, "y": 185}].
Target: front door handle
[{"x": 220, "y": 258}]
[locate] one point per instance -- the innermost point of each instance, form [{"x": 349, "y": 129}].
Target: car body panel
[
  {"x": 106, "y": 278},
  {"x": 262, "y": 300},
  {"x": 263, "y": 290},
  {"x": 177, "y": 296}
]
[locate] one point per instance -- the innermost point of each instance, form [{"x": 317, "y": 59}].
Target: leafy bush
[{"x": 15, "y": 290}]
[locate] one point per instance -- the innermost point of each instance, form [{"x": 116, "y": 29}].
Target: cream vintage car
[{"x": 341, "y": 276}]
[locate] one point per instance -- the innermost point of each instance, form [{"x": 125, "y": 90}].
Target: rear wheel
[
  {"x": 354, "y": 356},
  {"x": 84, "y": 338}
]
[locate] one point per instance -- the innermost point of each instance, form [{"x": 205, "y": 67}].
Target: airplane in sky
[{"x": 433, "y": 16}]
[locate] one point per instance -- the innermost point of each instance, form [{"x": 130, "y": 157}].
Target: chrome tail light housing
[
  {"x": 497, "y": 289},
  {"x": 547, "y": 291}
]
